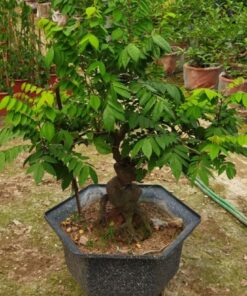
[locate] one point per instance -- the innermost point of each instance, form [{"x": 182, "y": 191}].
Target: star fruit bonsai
[{"x": 111, "y": 95}]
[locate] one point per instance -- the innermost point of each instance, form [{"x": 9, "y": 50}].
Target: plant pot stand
[
  {"x": 121, "y": 274},
  {"x": 201, "y": 77}
]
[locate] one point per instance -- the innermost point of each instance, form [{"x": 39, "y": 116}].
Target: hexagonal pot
[{"x": 121, "y": 274}]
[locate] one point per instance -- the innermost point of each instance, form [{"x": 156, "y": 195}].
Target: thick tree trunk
[{"x": 124, "y": 195}]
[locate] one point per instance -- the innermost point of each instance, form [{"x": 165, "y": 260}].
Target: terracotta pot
[
  {"x": 201, "y": 77},
  {"x": 4, "y": 111},
  {"x": 224, "y": 84},
  {"x": 172, "y": 63},
  {"x": 53, "y": 80},
  {"x": 18, "y": 84},
  {"x": 43, "y": 10}
]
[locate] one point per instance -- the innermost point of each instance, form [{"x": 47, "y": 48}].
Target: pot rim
[
  {"x": 176, "y": 50},
  {"x": 188, "y": 66},
  {"x": 223, "y": 77},
  {"x": 20, "y": 80},
  {"x": 75, "y": 250}
]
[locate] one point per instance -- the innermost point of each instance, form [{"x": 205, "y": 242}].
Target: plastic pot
[
  {"x": 3, "y": 111},
  {"x": 121, "y": 274},
  {"x": 18, "y": 84},
  {"x": 201, "y": 77},
  {"x": 224, "y": 84},
  {"x": 173, "y": 62}
]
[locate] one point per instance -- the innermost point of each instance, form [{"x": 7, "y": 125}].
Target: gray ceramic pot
[{"x": 123, "y": 275}]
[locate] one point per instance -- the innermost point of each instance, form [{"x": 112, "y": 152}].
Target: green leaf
[
  {"x": 67, "y": 139},
  {"x": 212, "y": 149},
  {"x": 211, "y": 94},
  {"x": 108, "y": 119},
  {"x": 117, "y": 34},
  {"x": 49, "y": 168},
  {"x": 49, "y": 57},
  {"x": 90, "y": 11},
  {"x": 93, "y": 175},
  {"x": 11, "y": 104},
  {"x": 244, "y": 100},
  {"x": 50, "y": 114},
  {"x": 94, "y": 102},
  {"x": 4, "y": 102},
  {"x": 176, "y": 166},
  {"x": 72, "y": 164},
  {"x": 77, "y": 169},
  {"x": 66, "y": 181},
  {"x": 158, "y": 110},
  {"x": 161, "y": 42},
  {"x": 149, "y": 105},
  {"x": 101, "y": 145},
  {"x": 147, "y": 148},
  {"x": 83, "y": 175},
  {"x": 134, "y": 52},
  {"x": 122, "y": 91},
  {"x": 230, "y": 171},
  {"x": 173, "y": 91},
  {"x": 38, "y": 172},
  {"x": 137, "y": 148},
  {"x": 124, "y": 58},
  {"x": 155, "y": 147},
  {"x": 47, "y": 131},
  {"x": 93, "y": 40}
]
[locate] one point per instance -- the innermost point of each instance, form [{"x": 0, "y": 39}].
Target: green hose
[{"x": 222, "y": 202}]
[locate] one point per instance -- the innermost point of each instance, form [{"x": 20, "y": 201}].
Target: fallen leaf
[{"x": 244, "y": 283}]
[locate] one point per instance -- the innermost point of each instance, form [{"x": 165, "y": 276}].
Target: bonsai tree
[{"x": 111, "y": 95}]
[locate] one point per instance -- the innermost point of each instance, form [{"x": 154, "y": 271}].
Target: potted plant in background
[
  {"x": 210, "y": 35},
  {"x": 234, "y": 77},
  {"x": 172, "y": 62},
  {"x": 8, "y": 17},
  {"x": 203, "y": 68},
  {"x": 109, "y": 95}
]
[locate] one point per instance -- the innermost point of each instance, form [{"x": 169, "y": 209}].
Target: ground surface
[{"x": 214, "y": 260}]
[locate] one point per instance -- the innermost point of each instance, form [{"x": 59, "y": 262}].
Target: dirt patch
[
  {"x": 92, "y": 238},
  {"x": 25, "y": 261}
]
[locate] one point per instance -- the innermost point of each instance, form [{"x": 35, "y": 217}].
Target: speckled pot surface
[{"x": 123, "y": 275}]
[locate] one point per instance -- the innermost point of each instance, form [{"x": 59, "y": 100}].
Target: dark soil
[{"x": 91, "y": 237}]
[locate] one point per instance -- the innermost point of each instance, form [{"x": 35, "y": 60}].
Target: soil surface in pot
[{"x": 91, "y": 237}]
